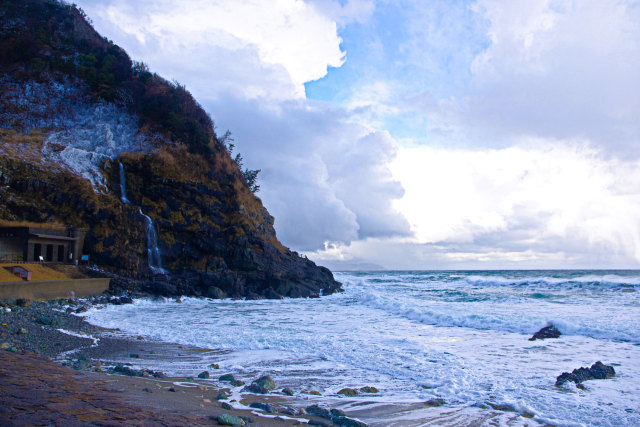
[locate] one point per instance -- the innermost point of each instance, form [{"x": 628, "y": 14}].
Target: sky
[{"x": 418, "y": 134}]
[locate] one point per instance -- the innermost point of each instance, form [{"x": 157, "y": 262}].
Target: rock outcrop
[
  {"x": 73, "y": 108},
  {"x": 597, "y": 371},
  {"x": 549, "y": 331}
]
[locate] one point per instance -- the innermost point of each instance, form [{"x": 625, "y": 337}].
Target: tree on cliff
[{"x": 251, "y": 175}]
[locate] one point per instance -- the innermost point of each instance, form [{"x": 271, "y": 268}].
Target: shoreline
[{"x": 55, "y": 331}]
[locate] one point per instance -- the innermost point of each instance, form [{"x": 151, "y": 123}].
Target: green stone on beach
[
  {"x": 227, "y": 377},
  {"x": 229, "y": 420},
  {"x": 266, "y": 382}
]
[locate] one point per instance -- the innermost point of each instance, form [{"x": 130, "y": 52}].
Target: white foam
[{"x": 399, "y": 332}]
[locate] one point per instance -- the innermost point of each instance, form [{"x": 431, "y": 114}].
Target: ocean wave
[{"x": 505, "y": 317}]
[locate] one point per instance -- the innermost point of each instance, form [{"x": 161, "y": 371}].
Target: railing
[
  {"x": 11, "y": 258},
  {"x": 4, "y": 259}
]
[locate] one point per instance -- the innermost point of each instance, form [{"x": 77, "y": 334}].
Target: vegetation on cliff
[{"x": 73, "y": 107}]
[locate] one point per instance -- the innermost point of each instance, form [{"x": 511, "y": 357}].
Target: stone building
[{"x": 22, "y": 243}]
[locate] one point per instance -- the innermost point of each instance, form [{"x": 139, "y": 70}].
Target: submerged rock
[
  {"x": 368, "y": 389},
  {"x": 433, "y": 403},
  {"x": 262, "y": 406},
  {"x": 348, "y": 422},
  {"x": 597, "y": 371},
  {"x": 318, "y": 411},
  {"x": 227, "y": 377},
  {"x": 262, "y": 385},
  {"x": 335, "y": 413},
  {"x": 348, "y": 392},
  {"x": 287, "y": 391},
  {"x": 549, "y": 331}
]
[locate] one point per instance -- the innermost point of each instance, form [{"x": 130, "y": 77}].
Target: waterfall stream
[
  {"x": 153, "y": 251},
  {"x": 123, "y": 189}
]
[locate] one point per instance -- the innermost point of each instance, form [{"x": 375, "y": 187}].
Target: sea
[{"x": 459, "y": 336}]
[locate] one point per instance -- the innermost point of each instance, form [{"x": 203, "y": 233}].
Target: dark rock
[
  {"x": 49, "y": 321},
  {"x": 215, "y": 293},
  {"x": 134, "y": 356},
  {"x": 223, "y": 395},
  {"x": 225, "y": 405},
  {"x": 10, "y": 302},
  {"x": 368, "y": 389},
  {"x": 255, "y": 388},
  {"x": 262, "y": 406},
  {"x": 229, "y": 420},
  {"x": 318, "y": 411},
  {"x": 83, "y": 362},
  {"x": 348, "y": 422},
  {"x": 597, "y": 371},
  {"x": 227, "y": 378},
  {"x": 348, "y": 392},
  {"x": 147, "y": 390},
  {"x": 203, "y": 375},
  {"x": 287, "y": 391},
  {"x": 262, "y": 385},
  {"x": 433, "y": 403},
  {"x": 125, "y": 370},
  {"x": 237, "y": 383},
  {"x": 23, "y": 302},
  {"x": 320, "y": 423},
  {"x": 549, "y": 331},
  {"x": 335, "y": 413},
  {"x": 172, "y": 390}
]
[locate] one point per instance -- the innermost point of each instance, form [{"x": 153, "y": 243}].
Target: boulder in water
[
  {"x": 597, "y": 371},
  {"x": 434, "y": 403},
  {"x": 262, "y": 385},
  {"x": 348, "y": 422},
  {"x": 227, "y": 377},
  {"x": 348, "y": 392},
  {"x": 215, "y": 293},
  {"x": 549, "y": 331},
  {"x": 262, "y": 406}
]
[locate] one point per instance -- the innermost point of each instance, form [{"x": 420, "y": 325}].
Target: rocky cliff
[{"x": 91, "y": 139}]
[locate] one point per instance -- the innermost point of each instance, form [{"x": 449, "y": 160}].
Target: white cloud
[
  {"x": 286, "y": 35},
  {"x": 557, "y": 70},
  {"x": 324, "y": 178},
  {"x": 545, "y": 204}
]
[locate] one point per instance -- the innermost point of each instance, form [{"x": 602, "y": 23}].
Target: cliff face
[{"x": 81, "y": 126}]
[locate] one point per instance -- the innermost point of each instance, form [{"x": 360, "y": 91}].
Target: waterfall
[
  {"x": 153, "y": 251},
  {"x": 123, "y": 188}
]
